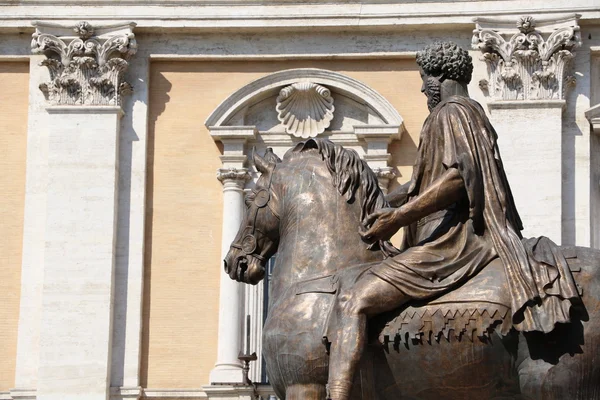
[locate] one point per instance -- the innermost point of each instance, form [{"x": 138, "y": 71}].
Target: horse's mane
[{"x": 351, "y": 176}]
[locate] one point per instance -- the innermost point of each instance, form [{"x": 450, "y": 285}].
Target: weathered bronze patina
[{"x": 466, "y": 309}]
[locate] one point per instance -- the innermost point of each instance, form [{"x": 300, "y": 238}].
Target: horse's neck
[{"x": 319, "y": 231}]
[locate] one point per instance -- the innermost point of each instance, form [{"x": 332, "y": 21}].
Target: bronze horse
[{"x": 308, "y": 209}]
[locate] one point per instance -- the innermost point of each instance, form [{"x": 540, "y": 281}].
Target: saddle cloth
[{"x": 475, "y": 309}]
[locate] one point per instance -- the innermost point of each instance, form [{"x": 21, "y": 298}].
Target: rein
[{"x": 261, "y": 200}]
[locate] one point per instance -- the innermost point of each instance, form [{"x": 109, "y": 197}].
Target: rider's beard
[{"x": 433, "y": 92}]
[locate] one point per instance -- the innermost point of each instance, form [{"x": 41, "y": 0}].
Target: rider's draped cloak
[{"x": 448, "y": 247}]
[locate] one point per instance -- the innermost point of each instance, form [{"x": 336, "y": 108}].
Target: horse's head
[{"x": 258, "y": 237}]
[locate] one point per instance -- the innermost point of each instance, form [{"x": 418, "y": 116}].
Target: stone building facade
[{"x": 126, "y": 130}]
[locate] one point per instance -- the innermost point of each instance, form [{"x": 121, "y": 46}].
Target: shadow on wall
[
  {"x": 157, "y": 106},
  {"x": 127, "y": 137}
]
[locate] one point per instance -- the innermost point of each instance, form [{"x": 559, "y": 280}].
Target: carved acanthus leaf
[
  {"x": 525, "y": 65},
  {"x": 86, "y": 69},
  {"x": 305, "y": 109},
  {"x": 239, "y": 176}
]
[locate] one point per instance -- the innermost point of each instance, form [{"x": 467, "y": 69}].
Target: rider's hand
[{"x": 382, "y": 224}]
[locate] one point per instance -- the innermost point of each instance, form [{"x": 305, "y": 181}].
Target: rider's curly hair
[{"x": 446, "y": 59}]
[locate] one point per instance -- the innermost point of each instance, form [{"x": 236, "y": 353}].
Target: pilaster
[
  {"x": 529, "y": 71},
  {"x": 131, "y": 235},
  {"x": 84, "y": 93},
  {"x": 531, "y": 131},
  {"x": 34, "y": 234}
]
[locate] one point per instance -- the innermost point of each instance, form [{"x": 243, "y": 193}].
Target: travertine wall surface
[
  {"x": 184, "y": 200},
  {"x": 14, "y": 78},
  {"x": 183, "y": 233}
]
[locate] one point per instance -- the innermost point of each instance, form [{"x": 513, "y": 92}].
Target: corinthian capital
[
  {"x": 529, "y": 60},
  {"x": 86, "y": 62}
]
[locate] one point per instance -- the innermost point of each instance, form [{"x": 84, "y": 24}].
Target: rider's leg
[{"x": 370, "y": 296}]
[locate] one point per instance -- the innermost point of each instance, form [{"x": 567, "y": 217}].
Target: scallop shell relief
[{"x": 305, "y": 109}]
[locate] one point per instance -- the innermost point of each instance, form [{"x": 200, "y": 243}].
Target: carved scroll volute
[
  {"x": 524, "y": 65},
  {"x": 88, "y": 68},
  {"x": 305, "y": 109}
]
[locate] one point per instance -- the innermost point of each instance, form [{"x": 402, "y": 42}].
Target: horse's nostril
[
  {"x": 225, "y": 265},
  {"x": 242, "y": 268}
]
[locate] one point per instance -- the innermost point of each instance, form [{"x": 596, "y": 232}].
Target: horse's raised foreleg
[{"x": 305, "y": 392}]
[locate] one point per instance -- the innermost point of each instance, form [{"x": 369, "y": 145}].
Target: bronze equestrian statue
[{"x": 466, "y": 309}]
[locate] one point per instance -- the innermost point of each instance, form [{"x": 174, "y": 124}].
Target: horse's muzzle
[
  {"x": 243, "y": 268},
  {"x": 234, "y": 264}
]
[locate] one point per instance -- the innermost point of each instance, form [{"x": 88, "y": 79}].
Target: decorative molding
[
  {"x": 238, "y": 175},
  {"x": 191, "y": 394},
  {"x": 20, "y": 394},
  {"x": 123, "y": 393},
  {"x": 234, "y": 139},
  {"x": 377, "y": 139},
  {"x": 85, "y": 109},
  {"x": 253, "y": 15},
  {"x": 86, "y": 68},
  {"x": 532, "y": 64},
  {"x": 593, "y": 115},
  {"x": 259, "y": 88},
  {"x": 528, "y": 104},
  {"x": 238, "y": 392},
  {"x": 229, "y": 134},
  {"x": 374, "y": 55},
  {"x": 305, "y": 109}
]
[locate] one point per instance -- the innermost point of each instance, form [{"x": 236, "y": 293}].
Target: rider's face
[{"x": 431, "y": 88}]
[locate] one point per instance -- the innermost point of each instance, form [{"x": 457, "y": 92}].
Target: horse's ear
[
  {"x": 260, "y": 163},
  {"x": 271, "y": 157}
]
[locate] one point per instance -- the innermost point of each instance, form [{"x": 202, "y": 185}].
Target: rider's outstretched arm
[
  {"x": 384, "y": 223},
  {"x": 398, "y": 197},
  {"x": 443, "y": 192}
]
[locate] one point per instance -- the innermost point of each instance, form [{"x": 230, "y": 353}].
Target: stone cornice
[
  {"x": 281, "y": 14},
  {"x": 231, "y": 134},
  {"x": 530, "y": 61},
  {"x": 86, "y": 62},
  {"x": 593, "y": 115}
]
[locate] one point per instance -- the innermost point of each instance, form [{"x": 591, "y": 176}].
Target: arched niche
[{"x": 362, "y": 119}]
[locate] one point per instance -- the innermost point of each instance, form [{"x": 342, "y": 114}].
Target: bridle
[{"x": 262, "y": 197}]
